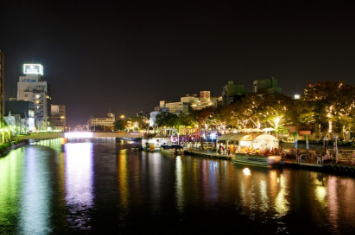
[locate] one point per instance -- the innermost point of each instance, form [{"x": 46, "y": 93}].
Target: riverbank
[{"x": 7, "y": 147}]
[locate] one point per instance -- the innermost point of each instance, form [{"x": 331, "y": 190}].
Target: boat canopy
[{"x": 256, "y": 140}]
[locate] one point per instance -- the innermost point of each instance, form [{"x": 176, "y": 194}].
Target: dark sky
[{"x": 126, "y": 56}]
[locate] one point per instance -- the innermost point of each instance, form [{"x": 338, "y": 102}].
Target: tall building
[
  {"x": 32, "y": 87},
  {"x": 2, "y": 105},
  {"x": 268, "y": 86},
  {"x": 58, "y": 117},
  {"x": 231, "y": 93}
]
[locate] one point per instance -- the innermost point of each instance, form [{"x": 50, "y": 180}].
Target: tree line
[{"x": 329, "y": 105}]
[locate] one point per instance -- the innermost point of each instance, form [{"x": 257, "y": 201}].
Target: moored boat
[
  {"x": 172, "y": 149},
  {"x": 257, "y": 159}
]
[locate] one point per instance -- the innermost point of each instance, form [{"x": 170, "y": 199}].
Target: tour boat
[
  {"x": 257, "y": 159},
  {"x": 172, "y": 149}
]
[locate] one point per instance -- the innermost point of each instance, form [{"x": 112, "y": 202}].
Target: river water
[{"x": 54, "y": 187}]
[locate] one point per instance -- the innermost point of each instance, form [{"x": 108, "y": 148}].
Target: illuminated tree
[
  {"x": 276, "y": 109},
  {"x": 330, "y": 104},
  {"x": 249, "y": 111}
]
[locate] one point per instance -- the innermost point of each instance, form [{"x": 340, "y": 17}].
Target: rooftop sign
[{"x": 33, "y": 69}]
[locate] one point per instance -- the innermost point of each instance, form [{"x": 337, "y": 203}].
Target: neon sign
[{"x": 33, "y": 69}]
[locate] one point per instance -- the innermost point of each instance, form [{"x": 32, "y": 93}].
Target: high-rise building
[
  {"x": 268, "y": 86},
  {"x": 231, "y": 93},
  {"x": 58, "y": 117},
  {"x": 32, "y": 87},
  {"x": 2, "y": 108}
]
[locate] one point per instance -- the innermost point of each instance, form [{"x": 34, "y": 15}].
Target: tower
[{"x": 33, "y": 88}]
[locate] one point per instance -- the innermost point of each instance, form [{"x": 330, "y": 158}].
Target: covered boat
[
  {"x": 154, "y": 143},
  {"x": 252, "y": 148},
  {"x": 250, "y": 142},
  {"x": 257, "y": 160},
  {"x": 172, "y": 149}
]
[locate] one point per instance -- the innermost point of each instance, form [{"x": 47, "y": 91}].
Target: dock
[{"x": 343, "y": 167}]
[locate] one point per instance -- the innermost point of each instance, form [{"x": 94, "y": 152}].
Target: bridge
[{"x": 78, "y": 135}]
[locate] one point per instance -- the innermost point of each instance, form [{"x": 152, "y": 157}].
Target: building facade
[
  {"x": 32, "y": 87},
  {"x": 231, "y": 93},
  {"x": 26, "y": 112},
  {"x": 108, "y": 121},
  {"x": 192, "y": 102},
  {"x": 267, "y": 86},
  {"x": 58, "y": 117}
]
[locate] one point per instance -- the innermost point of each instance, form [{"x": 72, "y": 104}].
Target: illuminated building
[
  {"x": 231, "y": 93},
  {"x": 32, "y": 88},
  {"x": 268, "y": 86},
  {"x": 58, "y": 117},
  {"x": 154, "y": 114},
  {"x": 26, "y": 112},
  {"x": 1, "y": 90},
  {"x": 193, "y": 102},
  {"x": 108, "y": 121}
]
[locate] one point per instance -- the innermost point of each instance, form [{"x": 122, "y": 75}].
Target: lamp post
[{"x": 336, "y": 148}]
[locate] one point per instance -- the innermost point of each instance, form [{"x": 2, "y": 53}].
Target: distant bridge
[{"x": 78, "y": 135}]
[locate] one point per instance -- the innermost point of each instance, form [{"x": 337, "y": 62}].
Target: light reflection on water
[
  {"x": 99, "y": 186},
  {"x": 79, "y": 185}
]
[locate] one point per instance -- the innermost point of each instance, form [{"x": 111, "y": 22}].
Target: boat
[
  {"x": 172, "y": 149},
  {"x": 153, "y": 143},
  {"x": 257, "y": 159}
]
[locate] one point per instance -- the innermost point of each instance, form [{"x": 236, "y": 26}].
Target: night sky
[{"x": 126, "y": 56}]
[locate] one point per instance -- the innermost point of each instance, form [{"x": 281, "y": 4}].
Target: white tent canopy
[{"x": 253, "y": 140}]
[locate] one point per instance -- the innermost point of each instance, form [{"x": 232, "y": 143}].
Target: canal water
[{"x": 107, "y": 187}]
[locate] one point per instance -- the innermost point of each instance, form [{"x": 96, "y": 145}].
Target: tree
[
  {"x": 276, "y": 109},
  {"x": 330, "y": 104},
  {"x": 120, "y": 125}
]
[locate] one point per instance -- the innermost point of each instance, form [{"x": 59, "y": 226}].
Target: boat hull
[
  {"x": 172, "y": 150},
  {"x": 257, "y": 160}
]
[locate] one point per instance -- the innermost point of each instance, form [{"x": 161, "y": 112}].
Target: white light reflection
[
  {"x": 179, "y": 184},
  {"x": 281, "y": 203},
  {"x": 246, "y": 171},
  {"x": 35, "y": 216},
  {"x": 78, "y": 135},
  {"x": 79, "y": 176},
  {"x": 263, "y": 195}
]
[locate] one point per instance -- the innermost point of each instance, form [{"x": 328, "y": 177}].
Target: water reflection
[
  {"x": 79, "y": 183},
  {"x": 49, "y": 189},
  {"x": 179, "y": 187},
  {"x": 11, "y": 174}
]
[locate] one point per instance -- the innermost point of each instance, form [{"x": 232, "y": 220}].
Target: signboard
[{"x": 33, "y": 69}]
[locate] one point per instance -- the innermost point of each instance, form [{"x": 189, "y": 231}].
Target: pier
[{"x": 344, "y": 166}]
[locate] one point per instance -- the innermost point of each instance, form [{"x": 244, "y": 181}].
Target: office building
[
  {"x": 192, "y": 102},
  {"x": 267, "y": 86},
  {"x": 231, "y": 93},
  {"x": 26, "y": 112},
  {"x": 102, "y": 122},
  {"x": 58, "y": 117},
  {"x": 32, "y": 87}
]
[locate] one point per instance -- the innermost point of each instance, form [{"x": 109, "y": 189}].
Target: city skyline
[{"x": 125, "y": 57}]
